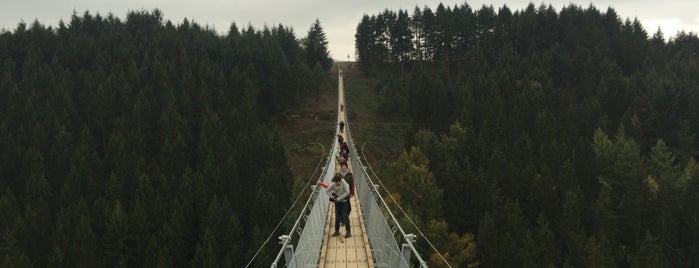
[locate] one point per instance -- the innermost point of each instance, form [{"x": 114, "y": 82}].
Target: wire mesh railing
[
  {"x": 382, "y": 226},
  {"x": 309, "y": 227}
]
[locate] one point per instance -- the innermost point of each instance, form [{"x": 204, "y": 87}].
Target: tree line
[
  {"x": 139, "y": 142},
  {"x": 550, "y": 138}
]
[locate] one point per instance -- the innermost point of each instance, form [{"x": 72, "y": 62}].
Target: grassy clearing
[
  {"x": 384, "y": 135},
  {"x": 314, "y": 120},
  {"x": 309, "y": 123}
]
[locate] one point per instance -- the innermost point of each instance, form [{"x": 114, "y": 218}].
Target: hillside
[
  {"x": 137, "y": 142},
  {"x": 554, "y": 137}
]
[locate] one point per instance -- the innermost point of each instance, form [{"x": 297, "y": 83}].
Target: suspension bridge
[{"x": 377, "y": 238}]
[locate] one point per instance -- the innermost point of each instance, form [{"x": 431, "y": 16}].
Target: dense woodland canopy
[
  {"x": 547, "y": 138},
  {"x": 138, "y": 142}
]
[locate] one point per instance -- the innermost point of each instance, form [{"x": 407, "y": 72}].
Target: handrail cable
[
  {"x": 292, "y": 205},
  {"x": 401, "y": 209},
  {"x": 408, "y": 239}
]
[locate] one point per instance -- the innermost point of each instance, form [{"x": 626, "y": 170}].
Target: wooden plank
[
  {"x": 342, "y": 258},
  {"x": 352, "y": 244},
  {"x": 365, "y": 237},
  {"x": 337, "y": 242},
  {"x": 364, "y": 264},
  {"x": 346, "y": 252}
]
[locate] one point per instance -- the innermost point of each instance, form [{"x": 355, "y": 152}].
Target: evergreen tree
[
  {"x": 401, "y": 37},
  {"x": 364, "y": 42},
  {"x": 13, "y": 245},
  {"x": 536, "y": 90},
  {"x": 316, "y": 47},
  {"x": 414, "y": 178},
  {"x": 115, "y": 244},
  {"x": 650, "y": 254},
  {"x": 205, "y": 255},
  {"x": 598, "y": 253},
  {"x": 116, "y": 133},
  {"x": 84, "y": 251}
]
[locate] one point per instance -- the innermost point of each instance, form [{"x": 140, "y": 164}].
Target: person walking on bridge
[
  {"x": 342, "y": 126},
  {"x": 346, "y": 175},
  {"x": 344, "y": 146},
  {"x": 342, "y": 157},
  {"x": 339, "y": 193}
]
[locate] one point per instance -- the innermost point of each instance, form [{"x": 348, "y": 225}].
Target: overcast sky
[{"x": 338, "y": 18}]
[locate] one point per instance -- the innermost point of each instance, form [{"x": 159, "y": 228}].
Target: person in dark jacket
[
  {"x": 344, "y": 146},
  {"x": 341, "y": 157},
  {"x": 340, "y": 139},
  {"x": 342, "y": 126},
  {"x": 346, "y": 175}
]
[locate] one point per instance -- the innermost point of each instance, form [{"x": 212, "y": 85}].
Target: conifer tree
[{"x": 316, "y": 47}]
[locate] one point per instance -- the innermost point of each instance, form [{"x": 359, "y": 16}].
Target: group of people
[
  {"x": 340, "y": 191},
  {"x": 342, "y": 187},
  {"x": 343, "y": 152}
]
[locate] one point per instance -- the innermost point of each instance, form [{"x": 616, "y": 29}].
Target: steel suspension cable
[
  {"x": 401, "y": 209},
  {"x": 292, "y": 205}
]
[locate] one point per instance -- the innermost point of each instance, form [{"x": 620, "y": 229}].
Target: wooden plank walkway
[{"x": 340, "y": 251}]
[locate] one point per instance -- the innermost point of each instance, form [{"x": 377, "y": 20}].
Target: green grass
[
  {"x": 384, "y": 135},
  {"x": 310, "y": 122},
  {"x": 313, "y": 121}
]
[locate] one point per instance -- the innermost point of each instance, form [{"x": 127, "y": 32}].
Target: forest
[
  {"x": 137, "y": 142},
  {"x": 542, "y": 138}
]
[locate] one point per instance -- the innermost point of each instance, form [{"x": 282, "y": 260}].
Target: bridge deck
[{"x": 340, "y": 251}]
